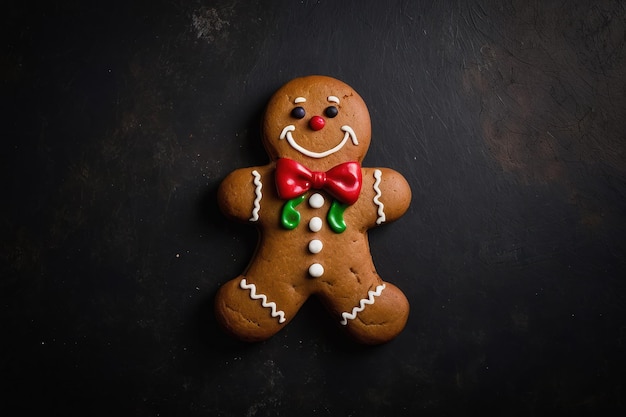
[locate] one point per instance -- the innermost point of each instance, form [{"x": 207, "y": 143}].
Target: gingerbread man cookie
[{"x": 313, "y": 204}]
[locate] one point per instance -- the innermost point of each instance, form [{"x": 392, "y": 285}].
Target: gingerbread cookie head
[{"x": 318, "y": 121}]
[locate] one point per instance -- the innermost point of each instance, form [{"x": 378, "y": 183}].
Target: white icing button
[
  {"x": 315, "y": 224},
  {"x": 316, "y": 270},
  {"x": 316, "y": 200},
  {"x": 315, "y": 246}
]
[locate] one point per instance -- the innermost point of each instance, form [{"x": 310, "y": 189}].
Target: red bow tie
[{"x": 343, "y": 182}]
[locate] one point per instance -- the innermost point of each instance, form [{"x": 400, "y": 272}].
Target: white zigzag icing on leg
[
  {"x": 364, "y": 301},
  {"x": 244, "y": 285}
]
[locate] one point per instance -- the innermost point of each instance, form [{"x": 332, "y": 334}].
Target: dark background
[{"x": 119, "y": 120}]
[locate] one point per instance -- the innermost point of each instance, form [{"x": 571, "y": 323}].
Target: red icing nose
[{"x": 316, "y": 123}]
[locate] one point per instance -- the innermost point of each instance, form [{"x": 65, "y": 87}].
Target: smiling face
[{"x": 318, "y": 121}]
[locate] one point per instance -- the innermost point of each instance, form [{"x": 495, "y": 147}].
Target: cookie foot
[
  {"x": 379, "y": 317},
  {"x": 248, "y": 314}
]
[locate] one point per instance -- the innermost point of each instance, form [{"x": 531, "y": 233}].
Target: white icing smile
[{"x": 349, "y": 133}]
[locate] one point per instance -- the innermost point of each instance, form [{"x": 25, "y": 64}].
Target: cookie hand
[
  {"x": 238, "y": 205},
  {"x": 390, "y": 193}
]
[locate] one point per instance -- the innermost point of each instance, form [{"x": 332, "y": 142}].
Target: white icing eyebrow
[
  {"x": 333, "y": 99},
  {"x": 299, "y": 100}
]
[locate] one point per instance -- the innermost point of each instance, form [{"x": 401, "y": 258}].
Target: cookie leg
[
  {"x": 248, "y": 312},
  {"x": 379, "y": 316}
]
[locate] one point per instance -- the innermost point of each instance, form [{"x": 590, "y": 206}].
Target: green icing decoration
[
  {"x": 335, "y": 216},
  {"x": 290, "y": 217}
]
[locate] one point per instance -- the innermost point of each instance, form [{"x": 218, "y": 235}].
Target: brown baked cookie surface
[{"x": 313, "y": 205}]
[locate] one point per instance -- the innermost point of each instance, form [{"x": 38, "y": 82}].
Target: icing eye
[
  {"x": 331, "y": 111},
  {"x": 298, "y": 112}
]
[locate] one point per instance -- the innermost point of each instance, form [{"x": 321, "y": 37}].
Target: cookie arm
[
  {"x": 392, "y": 194},
  {"x": 240, "y": 195}
]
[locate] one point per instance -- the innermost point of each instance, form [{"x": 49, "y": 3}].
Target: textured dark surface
[{"x": 120, "y": 120}]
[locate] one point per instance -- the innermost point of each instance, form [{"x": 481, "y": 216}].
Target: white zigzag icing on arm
[
  {"x": 364, "y": 301},
  {"x": 257, "y": 199},
  {"x": 381, "y": 207},
  {"x": 281, "y": 314}
]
